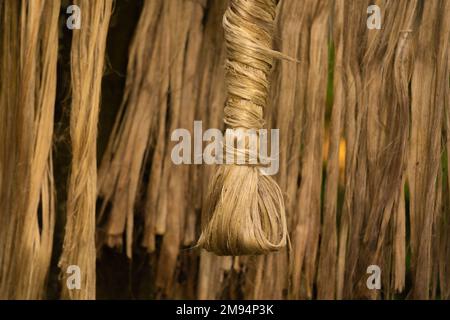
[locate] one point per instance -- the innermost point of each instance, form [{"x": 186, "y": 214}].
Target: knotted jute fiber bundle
[{"x": 244, "y": 209}]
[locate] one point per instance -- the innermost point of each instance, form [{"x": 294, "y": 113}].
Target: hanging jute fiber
[
  {"x": 245, "y": 212},
  {"x": 94, "y": 205},
  {"x": 28, "y": 50},
  {"x": 87, "y": 57}
]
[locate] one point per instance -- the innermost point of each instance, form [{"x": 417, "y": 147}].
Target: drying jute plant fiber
[{"x": 224, "y": 149}]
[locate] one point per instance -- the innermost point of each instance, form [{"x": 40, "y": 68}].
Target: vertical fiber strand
[
  {"x": 326, "y": 278},
  {"x": 27, "y": 100},
  {"x": 306, "y": 228},
  {"x": 427, "y": 110},
  {"x": 87, "y": 59},
  {"x": 121, "y": 167}
]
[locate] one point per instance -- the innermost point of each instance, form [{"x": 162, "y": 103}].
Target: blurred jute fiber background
[{"x": 86, "y": 176}]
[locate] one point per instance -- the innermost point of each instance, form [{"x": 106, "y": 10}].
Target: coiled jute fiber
[{"x": 244, "y": 209}]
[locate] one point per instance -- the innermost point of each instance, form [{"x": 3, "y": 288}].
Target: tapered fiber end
[{"x": 244, "y": 213}]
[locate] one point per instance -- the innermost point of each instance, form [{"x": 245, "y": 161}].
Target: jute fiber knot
[{"x": 244, "y": 210}]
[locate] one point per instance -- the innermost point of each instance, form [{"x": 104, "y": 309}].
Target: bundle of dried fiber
[
  {"x": 354, "y": 42},
  {"x": 386, "y": 133},
  {"x": 326, "y": 269},
  {"x": 87, "y": 60},
  {"x": 245, "y": 208},
  {"x": 428, "y": 88},
  {"x": 160, "y": 96},
  {"x": 403, "y": 64},
  {"x": 29, "y": 45},
  {"x": 145, "y": 93},
  {"x": 378, "y": 158},
  {"x": 306, "y": 220},
  {"x": 184, "y": 18}
]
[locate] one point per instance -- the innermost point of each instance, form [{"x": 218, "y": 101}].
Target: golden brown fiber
[
  {"x": 88, "y": 51},
  {"x": 28, "y": 59},
  {"x": 245, "y": 209}
]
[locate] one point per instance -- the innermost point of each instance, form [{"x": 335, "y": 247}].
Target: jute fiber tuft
[{"x": 244, "y": 210}]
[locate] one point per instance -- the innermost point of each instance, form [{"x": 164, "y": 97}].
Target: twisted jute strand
[{"x": 244, "y": 212}]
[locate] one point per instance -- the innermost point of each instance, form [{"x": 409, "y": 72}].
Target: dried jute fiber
[
  {"x": 87, "y": 61},
  {"x": 244, "y": 211}
]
